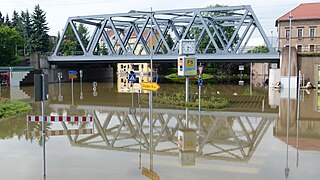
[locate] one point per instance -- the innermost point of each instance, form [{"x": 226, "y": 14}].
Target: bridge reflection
[{"x": 232, "y": 136}]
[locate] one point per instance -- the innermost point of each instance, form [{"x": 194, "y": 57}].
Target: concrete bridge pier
[{"x": 284, "y": 68}]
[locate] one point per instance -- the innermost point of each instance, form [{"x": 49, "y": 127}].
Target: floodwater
[{"x": 251, "y": 139}]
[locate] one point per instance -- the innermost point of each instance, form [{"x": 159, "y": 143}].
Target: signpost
[
  {"x": 241, "y": 68},
  {"x": 150, "y": 174},
  {"x": 81, "y": 92},
  {"x": 200, "y": 83},
  {"x": 94, "y": 88},
  {"x": 72, "y": 75},
  {"x": 151, "y": 86},
  {"x": 60, "y": 98},
  {"x": 41, "y": 94},
  {"x": 132, "y": 78}
]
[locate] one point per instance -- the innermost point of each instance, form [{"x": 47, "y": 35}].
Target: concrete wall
[
  {"x": 285, "y": 62},
  {"x": 309, "y": 67},
  {"x": 260, "y": 73}
]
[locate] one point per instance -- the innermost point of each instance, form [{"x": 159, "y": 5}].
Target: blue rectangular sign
[
  {"x": 73, "y": 74},
  {"x": 132, "y": 78}
]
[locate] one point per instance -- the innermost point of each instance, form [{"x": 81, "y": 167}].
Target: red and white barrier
[
  {"x": 61, "y": 132},
  {"x": 60, "y": 118}
]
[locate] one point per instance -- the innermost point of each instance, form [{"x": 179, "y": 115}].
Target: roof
[{"x": 305, "y": 11}]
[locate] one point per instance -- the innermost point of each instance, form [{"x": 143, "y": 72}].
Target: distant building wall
[{"x": 309, "y": 67}]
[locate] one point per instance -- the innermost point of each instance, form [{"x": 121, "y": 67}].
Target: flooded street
[{"x": 250, "y": 139}]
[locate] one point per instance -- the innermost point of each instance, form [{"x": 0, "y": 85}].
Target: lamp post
[{"x": 287, "y": 169}]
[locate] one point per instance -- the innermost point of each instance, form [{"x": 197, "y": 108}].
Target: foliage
[
  {"x": 227, "y": 30},
  {"x": 179, "y": 100},
  {"x": 9, "y": 40},
  {"x": 12, "y": 108},
  {"x": 308, "y": 53},
  {"x": 1, "y": 19},
  {"x": 70, "y": 44},
  {"x": 174, "y": 77},
  {"x": 259, "y": 49},
  {"x": 103, "y": 50},
  {"x": 39, "y": 37},
  {"x": 27, "y": 30}
]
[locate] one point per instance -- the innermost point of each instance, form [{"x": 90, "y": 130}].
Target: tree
[
  {"x": 103, "y": 49},
  {"x": 7, "y": 21},
  {"x": 227, "y": 30},
  {"x": 70, "y": 44},
  {"x": 84, "y": 34},
  {"x": 27, "y": 31},
  {"x": 259, "y": 49},
  {"x": 9, "y": 39},
  {"x": 1, "y": 19},
  {"x": 39, "y": 37},
  {"x": 17, "y": 22},
  {"x": 219, "y": 68}
]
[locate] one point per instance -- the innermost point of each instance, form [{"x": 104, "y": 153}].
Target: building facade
[{"x": 305, "y": 28}]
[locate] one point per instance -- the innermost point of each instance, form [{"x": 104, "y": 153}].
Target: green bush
[
  {"x": 12, "y": 108},
  {"x": 179, "y": 100}
]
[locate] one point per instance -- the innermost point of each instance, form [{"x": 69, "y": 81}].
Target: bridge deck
[{"x": 262, "y": 57}]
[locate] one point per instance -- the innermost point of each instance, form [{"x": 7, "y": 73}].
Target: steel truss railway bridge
[
  {"x": 231, "y": 136},
  {"x": 220, "y": 33}
]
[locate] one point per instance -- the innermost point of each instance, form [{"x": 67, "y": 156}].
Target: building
[
  {"x": 305, "y": 34},
  {"x": 142, "y": 70}
]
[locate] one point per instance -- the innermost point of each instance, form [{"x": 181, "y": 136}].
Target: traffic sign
[
  {"x": 73, "y": 74},
  {"x": 241, "y": 67},
  {"x": 200, "y": 81},
  {"x": 200, "y": 70},
  {"x": 151, "y": 86},
  {"x": 150, "y": 174},
  {"x": 132, "y": 77}
]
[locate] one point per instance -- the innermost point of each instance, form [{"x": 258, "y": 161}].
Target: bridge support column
[{"x": 285, "y": 69}]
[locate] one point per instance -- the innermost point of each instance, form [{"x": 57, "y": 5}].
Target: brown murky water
[{"x": 247, "y": 140}]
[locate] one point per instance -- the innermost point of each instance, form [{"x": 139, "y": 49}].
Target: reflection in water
[
  {"x": 223, "y": 135},
  {"x": 228, "y": 136}
]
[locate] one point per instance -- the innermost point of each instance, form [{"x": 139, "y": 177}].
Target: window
[
  {"x": 287, "y": 33},
  {"x": 312, "y": 32},
  {"x": 300, "y": 33},
  {"x": 135, "y": 67},
  {"x": 311, "y": 48},
  {"x": 299, "y": 48}
]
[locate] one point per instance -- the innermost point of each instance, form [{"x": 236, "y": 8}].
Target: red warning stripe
[
  {"x": 60, "y": 118},
  {"x": 61, "y": 132}
]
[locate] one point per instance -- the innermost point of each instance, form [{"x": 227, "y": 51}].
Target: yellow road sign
[
  {"x": 151, "y": 86},
  {"x": 150, "y": 174}
]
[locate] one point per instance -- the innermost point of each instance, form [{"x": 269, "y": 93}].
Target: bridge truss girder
[{"x": 128, "y": 36}]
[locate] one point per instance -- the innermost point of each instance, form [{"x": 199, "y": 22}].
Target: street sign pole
[
  {"x": 200, "y": 68},
  {"x": 187, "y": 100},
  {"x": 72, "y": 92},
  {"x": 132, "y": 94},
  {"x": 81, "y": 92},
  {"x": 140, "y": 122},
  {"x": 43, "y": 126},
  {"x": 59, "y": 79},
  {"x": 150, "y": 99}
]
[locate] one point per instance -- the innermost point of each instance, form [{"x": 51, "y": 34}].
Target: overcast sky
[{"x": 57, "y": 11}]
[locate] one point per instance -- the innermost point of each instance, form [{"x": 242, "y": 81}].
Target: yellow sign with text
[
  {"x": 150, "y": 174},
  {"x": 151, "y": 86},
  {"x": 190, "y": 63}
]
